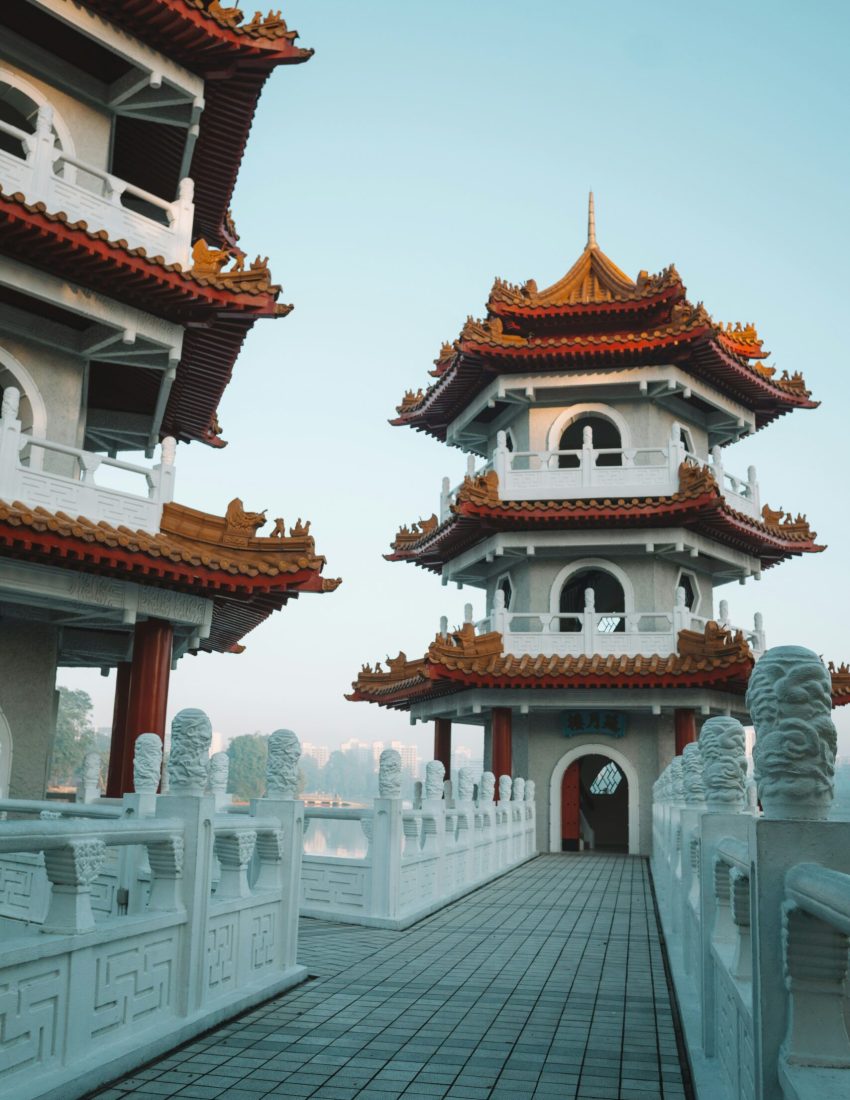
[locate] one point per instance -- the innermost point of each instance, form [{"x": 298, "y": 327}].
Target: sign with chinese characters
[{"x": 612, "y": 723}]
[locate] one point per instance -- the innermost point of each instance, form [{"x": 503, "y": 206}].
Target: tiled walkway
[{"x": 546, "y": 984}]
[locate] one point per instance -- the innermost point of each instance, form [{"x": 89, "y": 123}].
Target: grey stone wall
[{"x": 28, "y": 700}]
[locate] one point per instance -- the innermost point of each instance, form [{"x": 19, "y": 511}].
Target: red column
[
  {"x": 571, "y": 807},
  {"x": 118, "y": 744},
  {"x": 148, "y": 696},
  {"x": 443, "y": 743},
  {"x": 686, "y": 728},
  {"x": 500, "y": 734}
]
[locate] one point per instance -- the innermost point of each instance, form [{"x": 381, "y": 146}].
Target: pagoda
[
  {"x": 124, "y": 301},
  {"x": 598, "y": 527}
]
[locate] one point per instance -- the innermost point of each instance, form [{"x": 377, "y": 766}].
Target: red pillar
[
  {"x": 443, "y": 743},
  {"x": 571, "y": 807},
  {"x": 118, "y": 744},
  {"x": 500, "y": 734},
  {"x": 148, "y": 696},
  {"x": 686, "y": 728}
]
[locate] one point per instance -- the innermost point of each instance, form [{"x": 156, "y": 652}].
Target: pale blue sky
[{"x": 427, "y": 148}]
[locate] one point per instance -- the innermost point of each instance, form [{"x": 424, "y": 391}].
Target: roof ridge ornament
[{"x": 591, "y": 222}]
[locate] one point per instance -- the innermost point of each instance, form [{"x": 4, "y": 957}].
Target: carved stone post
[
  {"x": 387, "y": 829},
  {"x": 790, "y": 701},
  {"x": 166, "y": 862},
  {"x": 191, "y": 735},
  {"x": 270, "y": 852},
  {"x": 234, "y": 849},
  {"x": 281, "y": 802},
  {"x": 724, "y": 764},
  {"x": 739, "y": 901},
  {"x": 71, "y": 870},
  {"x": 89, "y": 789},
  {"x": 218, "y": 776},
  {"x": 815, "y": 974}
]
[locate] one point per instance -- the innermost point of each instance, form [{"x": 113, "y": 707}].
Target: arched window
[
  {"x": 506, "y": 588},
  {"x": 509, "y": 440},
  {"x": 18, "y": 110},
  {"x": 605, "y": 437},
  {"x": 687, "y": 440},
  {"x": 19, "y": 107},
  {"x": 609, "y": 601}
]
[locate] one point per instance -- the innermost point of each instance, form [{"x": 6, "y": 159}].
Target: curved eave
[
  {"x": 707, "y": 514},
  {"x": 443, "y": 681},
  {"x": 694, "y": 351},
  {"x": 114, "y": 560},
  {"x": 578, "y": 311},
  {"x": 185, "y": 32},
  {"x": 89, "y": 258}
]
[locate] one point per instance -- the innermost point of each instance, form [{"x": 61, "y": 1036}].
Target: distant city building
[{"x": 320, "y": 753}]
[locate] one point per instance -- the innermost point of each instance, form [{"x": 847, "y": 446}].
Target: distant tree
[
  {"x": 309, "y": 775},
  {"x": 248, "y": 755},
  {"x": 75, "y": 737}
]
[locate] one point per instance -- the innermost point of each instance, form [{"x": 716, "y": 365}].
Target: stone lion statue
[
  {"x": 790, "y": 702},
  {"x": 188, "y": 763},
  {"x": 389, "y": 774},
  {"x": 147, "y": 763},
  {"x": 282, "y": 766}
]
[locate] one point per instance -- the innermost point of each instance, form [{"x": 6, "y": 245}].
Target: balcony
[
  {"x": 607, "y": 633},
  {"x": 592, "y": 472},
  {"x": 39, "y": 473},
  {"x": 42, "y": 172}
]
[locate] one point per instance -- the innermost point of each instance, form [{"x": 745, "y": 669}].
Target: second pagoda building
[{"x": 601, "y": 522}]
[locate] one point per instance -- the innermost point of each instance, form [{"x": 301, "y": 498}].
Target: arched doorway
[
  {"x": 609, "y": 601},
  {"x": 598, "y": 783},
  {"x": 606, "y": 436},
  {"x": 594, "y": 806}
]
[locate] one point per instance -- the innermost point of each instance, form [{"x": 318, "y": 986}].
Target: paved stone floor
[{"x": 547, "y": 984}]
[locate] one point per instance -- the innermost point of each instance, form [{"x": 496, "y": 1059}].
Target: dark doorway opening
[{"x": 594, "y": 806}]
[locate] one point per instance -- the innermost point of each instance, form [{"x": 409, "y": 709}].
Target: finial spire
[{"x": 591, "y": 222}]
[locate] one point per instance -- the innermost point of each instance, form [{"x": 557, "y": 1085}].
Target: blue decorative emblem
[{"x": 610, "y": 722}]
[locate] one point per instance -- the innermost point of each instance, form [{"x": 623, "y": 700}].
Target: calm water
[{"x": 334, "y": 838}]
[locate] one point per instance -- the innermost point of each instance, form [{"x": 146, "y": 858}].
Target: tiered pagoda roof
[
  {"x": 698, "y": 506},
  {"x": 595, "y": 318},
  {"x": 235, "y": 56},
  {"x": 217, "y": 557},
  {"x": 463, "y": 659},
  {"x": 218, "y": 309}
]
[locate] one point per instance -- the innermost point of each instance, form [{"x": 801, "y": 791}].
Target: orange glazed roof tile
[
  {"x": 478, "y": 512},
  {"x": 597, "y": 317},
  {"x": 219, "y": 557},
  {"x": 465, "y": 659}
]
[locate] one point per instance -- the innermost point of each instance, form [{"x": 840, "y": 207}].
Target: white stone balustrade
[
  {"x": 758, "y": 933},
  {"x": 43, "y": 173},
  {"x": 419, "y": 859},
  {"x": 176, "y": 951},
  {"x": 76, "y": 491},
  {"x": 591, "y": 472},
  {"x": 560, "y": 633}
]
